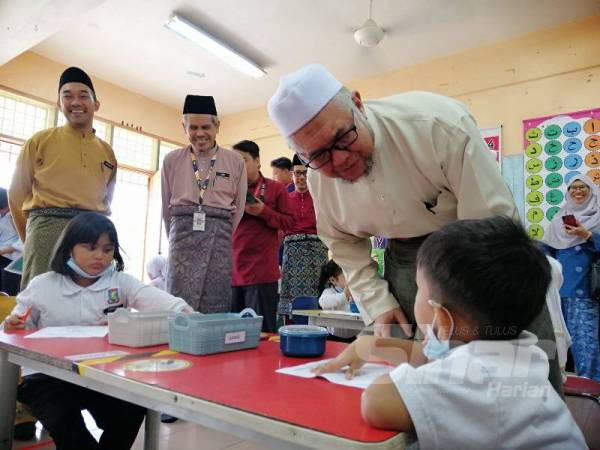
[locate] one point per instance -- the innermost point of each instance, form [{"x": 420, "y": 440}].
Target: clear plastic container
[{"x": 138, "y": 329}]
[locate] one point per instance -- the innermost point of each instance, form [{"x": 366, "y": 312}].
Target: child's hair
[
  {"x": 328, "y": 270},
  {"x": 85, "y": 228},
  {"x": 490, "y": 271}
]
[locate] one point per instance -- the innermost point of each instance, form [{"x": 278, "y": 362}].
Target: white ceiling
[{"x": 125, "y": 42}]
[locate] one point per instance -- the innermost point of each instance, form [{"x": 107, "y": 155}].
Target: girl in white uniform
[
  {"x": 85, "y": 284},
  {"x": 335, "y": 296}
]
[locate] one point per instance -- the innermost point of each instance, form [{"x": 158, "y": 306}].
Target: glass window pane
[
  {"x": 163, "y": 149},
  {"x": 8, "y": 156},
  {"x": 133, "y": 149},
  {"x": 20, "y": 117},
  {"x": 129, "y": 209}
]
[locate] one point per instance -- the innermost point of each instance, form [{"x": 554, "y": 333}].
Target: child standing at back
[
  {"x": 478, "y": 380},
  {"x": 85, "y": 284},
  {"x": 335, "y": 296}
]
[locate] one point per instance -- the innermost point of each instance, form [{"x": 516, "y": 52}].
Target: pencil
[{"x": 25, "y": 316}]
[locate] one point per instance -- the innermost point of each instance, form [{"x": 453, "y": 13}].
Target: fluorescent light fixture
[{"x": 200, "y": 37}]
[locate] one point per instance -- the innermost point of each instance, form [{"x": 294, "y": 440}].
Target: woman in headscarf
[
  {"x": 157, "y": 271},
  {"x": 573, "y": 237}
]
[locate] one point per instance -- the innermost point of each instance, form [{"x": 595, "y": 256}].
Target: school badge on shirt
[{"x": 113, "y": 296}]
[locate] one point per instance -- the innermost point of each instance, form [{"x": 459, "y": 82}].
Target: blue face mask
[
  {"x": 82, "y": 273},
  {"x": 435, "y": 348}
]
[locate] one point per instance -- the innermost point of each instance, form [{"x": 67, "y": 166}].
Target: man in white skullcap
[{"x": 398, "y": 167}]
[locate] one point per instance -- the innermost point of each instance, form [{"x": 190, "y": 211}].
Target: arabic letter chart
[{"x": 556, "y": 148}]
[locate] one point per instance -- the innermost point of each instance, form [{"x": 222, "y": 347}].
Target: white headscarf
[
  {"x": 587, "y": 213},
  {"x": 157, "y": 271}
]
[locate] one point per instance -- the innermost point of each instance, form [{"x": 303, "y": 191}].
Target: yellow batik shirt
[{"x": 61, "y": 168}]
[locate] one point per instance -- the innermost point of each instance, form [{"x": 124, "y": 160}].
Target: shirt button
[
  {"x": 579, "y": 291},
  {"x": 578, "y": 248},
  {"x": 578, "y": 269}
]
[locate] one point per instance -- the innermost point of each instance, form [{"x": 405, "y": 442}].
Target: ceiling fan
[{"x": 369, "y": 34}]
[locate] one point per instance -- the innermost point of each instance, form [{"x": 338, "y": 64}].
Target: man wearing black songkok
[
  {"x": 203, "y": 197},
  {"x": 60, "y": 172}
]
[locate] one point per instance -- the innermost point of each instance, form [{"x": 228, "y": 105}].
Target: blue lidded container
[{"x": 302, "y": 340}]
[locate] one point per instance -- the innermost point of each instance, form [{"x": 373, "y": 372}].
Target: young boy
[{"x": 477, "y": 380}]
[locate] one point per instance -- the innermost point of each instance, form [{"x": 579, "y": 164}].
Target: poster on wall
[
  {"x": 556, "y": 148},
  {"x": 491, "y": 137}
]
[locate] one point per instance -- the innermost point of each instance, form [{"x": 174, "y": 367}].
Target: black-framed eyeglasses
[
  {"x": 300, "y": 173},
  {"x": 322, "y": 156}
]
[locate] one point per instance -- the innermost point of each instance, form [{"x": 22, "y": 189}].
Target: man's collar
[{"x": 72, "y": 130}]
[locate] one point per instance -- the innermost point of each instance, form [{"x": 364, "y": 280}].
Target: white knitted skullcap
[{"x": 300, "y": 96}]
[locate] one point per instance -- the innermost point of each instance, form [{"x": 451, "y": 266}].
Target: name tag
[
  {"x": 199, "y": 221},
  {"x": 235, "y": 337},
  {"x": 222, "y": 174}
]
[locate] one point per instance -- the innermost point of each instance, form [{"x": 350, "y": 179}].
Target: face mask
[
  {"x": 435, "y": 348},
  {"x": 82, "y": 273}
]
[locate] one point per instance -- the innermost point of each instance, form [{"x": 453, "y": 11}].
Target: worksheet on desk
[
  {"x": 77, "y": 331},
  {"x": 363, "y": 378}
]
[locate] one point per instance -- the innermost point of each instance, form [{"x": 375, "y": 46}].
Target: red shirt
[
  {"x": 255, "y": 241},
  {"x": 304, "y": 213}
]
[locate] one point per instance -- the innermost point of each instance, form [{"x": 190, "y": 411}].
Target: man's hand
[
  {"x": 254, "y": 209},
  {"x": 383, "y": 323}
]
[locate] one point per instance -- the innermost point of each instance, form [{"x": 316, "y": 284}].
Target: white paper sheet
[
  {"x": 365, "y": 376},
  {"x": 69, "y": 332}
]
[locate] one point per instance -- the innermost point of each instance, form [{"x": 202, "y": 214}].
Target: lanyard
[{"x": 202, "y": 183}]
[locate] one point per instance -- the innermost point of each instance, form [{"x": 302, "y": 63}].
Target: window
[
  {"x": 134, "y": 149},
  {"x": 129, "y": 210},
  {"x": 163, "y": 149},
  {"x": 8, "y": 155},
  {"x": 21, "y": 118}
]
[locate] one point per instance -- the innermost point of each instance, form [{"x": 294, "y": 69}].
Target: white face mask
[
  {"x": 82, "y": 273},
  {"x": 435, "y": 348}
]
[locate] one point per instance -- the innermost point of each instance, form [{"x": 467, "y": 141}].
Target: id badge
[{"x": 199, "y": 221}]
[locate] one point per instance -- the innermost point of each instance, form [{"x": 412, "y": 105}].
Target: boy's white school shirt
[
  {"x": 487, "y": 394},
  {"x": 58, "y": 301}
]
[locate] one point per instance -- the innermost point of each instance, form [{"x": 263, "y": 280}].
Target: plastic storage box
[
  {"x": 138, "y": 329},
  {"x": 199, "y": 334}
]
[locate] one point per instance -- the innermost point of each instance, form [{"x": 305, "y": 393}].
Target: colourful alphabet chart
[{"x": 556, "y": 148}]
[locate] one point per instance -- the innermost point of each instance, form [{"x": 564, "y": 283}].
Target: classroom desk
[
  {"x": 237, "y": 392},
  {"x": 337, "y": 319}
]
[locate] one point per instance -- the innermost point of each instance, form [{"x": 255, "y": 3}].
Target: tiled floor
[{"x": 176, "y": 436}]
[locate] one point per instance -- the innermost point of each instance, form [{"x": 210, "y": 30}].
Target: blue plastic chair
[{"x": 303, "y": 303}]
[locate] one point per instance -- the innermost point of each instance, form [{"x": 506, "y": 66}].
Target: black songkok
[
  {"x": 75, "y": 75},
  {"x": 199, "y": 104}
]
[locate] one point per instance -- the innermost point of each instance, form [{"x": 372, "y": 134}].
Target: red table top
[{"x": 245, "y": 380}]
